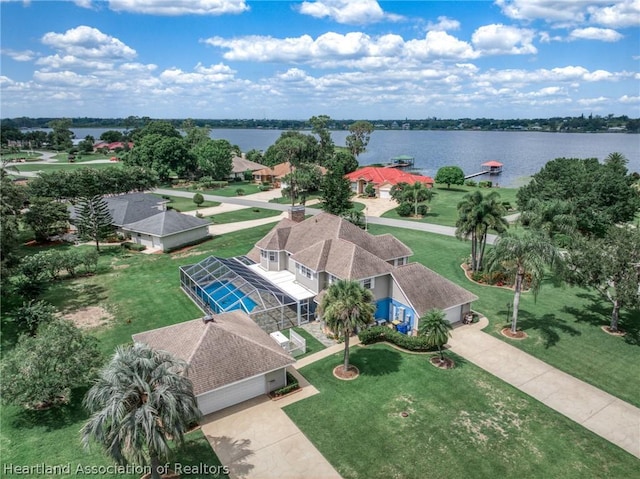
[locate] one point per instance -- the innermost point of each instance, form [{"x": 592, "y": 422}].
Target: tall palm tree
[
  {"x": 141, "y": 400},
  {"x": 477, "y": 214},
  {"x": 435, "y": 328},
  {"x": 530, "y": 254},
  {"x": 346, "y": 306},
  {"x": 416, "y": 193}
]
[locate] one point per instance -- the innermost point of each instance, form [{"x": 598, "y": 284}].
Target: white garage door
[
  {"x": 146, "y": 241},
  {"x": 230, "y": 395},
  {"x": 385, "y": 194},
  {"x": 453, "y": 314}
]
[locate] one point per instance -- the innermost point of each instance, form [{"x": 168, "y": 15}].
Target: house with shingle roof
[
  {"x": 383, "y": 179},
  {"x": 240, "y": 165},
  {"x": 230, "y": 358},
  {"x": 303, "y": 259}
]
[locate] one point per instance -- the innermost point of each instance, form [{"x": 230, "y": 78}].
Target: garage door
[
  {"x": 385, "y": 194},
  {"x": 230, "y": 395},
  {"x": 453, "y": 314}
]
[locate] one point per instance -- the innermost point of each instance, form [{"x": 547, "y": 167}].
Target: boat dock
[
  {"x": 488, "y": 168},
  {"x": 402, "y": 161}
]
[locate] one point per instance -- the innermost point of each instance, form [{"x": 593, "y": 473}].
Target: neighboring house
[
  {"x": 116, "y": 145},
  {"x": 274, "y": 175},
  {"x": 167, "y": 230},
  {"x": 296, "y": 262},
  {"x": 230, "y": 358},
  {"x": 144, "y": 219},
  {"x": 240, "y": 165},
  {"x": 383, "y": 179}
]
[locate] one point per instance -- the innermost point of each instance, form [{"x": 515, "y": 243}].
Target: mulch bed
[
  {"x": 348, "y": 375},
  {"x": 608, "y": 330},
  {"x": 506, "y": 332},
  {"x": 447, "y": 363}
]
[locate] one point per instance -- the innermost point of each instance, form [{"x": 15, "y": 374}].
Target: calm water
[{"x": 523, "y": 153}]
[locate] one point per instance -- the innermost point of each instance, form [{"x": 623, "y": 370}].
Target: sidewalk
[{"x": 611, "y": 418}]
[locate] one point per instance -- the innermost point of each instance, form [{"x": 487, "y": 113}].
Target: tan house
[
  {"x": 230, "y": 358},
  {"x": 274, "y": 175},
  {"x": 300, "y": 260},
  {"x": 240, "y": 165}
]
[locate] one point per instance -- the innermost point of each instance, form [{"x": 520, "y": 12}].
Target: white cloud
[
  {"x": 609, "y": 13},
  {"x": 69, "y": 61},
  {"x": 440, "y": 45},
  {"x": 19, "y": 56},
  {"x": 593, "y": 101},
  {"x": 629, "y": 99},
  {"x": 593, "y": 33},
  {"x": 180, "y": 7},
  {"x": 201, "y": 75},
  {"x": 87, "y": 42},
  {"x": 498, "y": 39},
  {"x": 352, "y": 12},
  {"x": 444, "y": 24}
]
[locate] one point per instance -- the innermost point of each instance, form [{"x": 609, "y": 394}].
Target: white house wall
[{"x": 185, "y": 237}]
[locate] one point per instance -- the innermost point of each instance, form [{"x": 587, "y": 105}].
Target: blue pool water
[{"x": 227, "y": 296}]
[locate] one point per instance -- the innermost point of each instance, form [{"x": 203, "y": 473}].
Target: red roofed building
[
  {"x": 111, "y": 146},
  {"x": 383, "y": 179}
]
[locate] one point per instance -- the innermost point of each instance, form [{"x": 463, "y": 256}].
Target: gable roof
[
  {"x": 425, "y": 289},
  {"x": 392, "y": 176},
  {"x": 166, "y": 223},
  {"x": 132, "y": 207},
  {"x": 227, "y": 350},
  {"x": 492, "y": 163},
  {"x": 240, "y": 165},
  {"x": 281, "y": 169}
]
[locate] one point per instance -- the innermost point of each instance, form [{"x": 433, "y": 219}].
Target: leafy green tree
[
  {"x": 112, "y": 136},
  {"x": 436, "y": 329},
  {"x": 32, "y": 314},
  {"x": 346, "y": 306},
  {"x": 303, "y": 179},
  {"x": 450, "y": 175},
  {"x": 336, "y": 190},
  {"x": 163, "y": 154},
  {"x": 47, "y": 218},
  {"x": 477, "y": 215},
  {"x": 554, "y": 218},
  {"x": 12, "y": 198},
  {"x": 414, "y": 194},
  {"x": 60, "y": 137},
  {"x": 42, "y": 370},
  {"x": 158, "y": 127},
  {"x": 86, "y": 145},
  {"x": 610, "y": 265},
  {"x": 358, "y": 138},
  {"x": 195, "y": 135},
  {"x": 254, "y": 155},
  {"x": 94, "y": 221},
  {"x": 198, "y": 199},
  {"x": 320, "y": 127},
  {"x": 346, "y": 161},
  {"x": 214, "y": 158},
  {"x": 294, "y": 147},
  {"x": 525, "y": 255},
  {"x": 141, "y": 402},
  {"x": 31, "y": 278}
]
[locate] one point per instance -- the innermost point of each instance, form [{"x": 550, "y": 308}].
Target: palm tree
[
  {"x": 417, "y": 192},
  {"x": 436, "y": 329},
  {"x": 346, "y": 306},
  {"x": 526, "y": 254},
  {"x": 477, "y": 214},
  {"x": 141, "y": 400}
]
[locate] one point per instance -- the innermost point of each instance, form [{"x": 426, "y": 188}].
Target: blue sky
[{"x": 348, "y": 59}]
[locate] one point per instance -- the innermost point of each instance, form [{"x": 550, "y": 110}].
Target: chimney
[
  {"x": 208, "y": 318},
  {"x": 296, "y": 213}
]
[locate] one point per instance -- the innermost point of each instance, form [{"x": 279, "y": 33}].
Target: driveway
[{"x": 257, "y": 440}]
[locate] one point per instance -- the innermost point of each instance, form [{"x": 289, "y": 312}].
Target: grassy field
[
  {"x": 563, "y": 324},
  {"x": 245, "y": 214},
  {"x": 461, "y": 423},
  {"x": 179, "y": 203},
  {"x": 443, "y": 206},
  {"x": 63, "y": 166},
  {"x": 230, "y": 190}
]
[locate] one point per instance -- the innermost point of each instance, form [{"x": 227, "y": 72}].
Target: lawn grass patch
[
  {"x": 563, "y": 324},
  {"x": 47, "y": 167},
  {"x": 313, "y": 345},
  {"x": 462, "y": 422},
  {"x": 179, "y": 203},
  {"x": 443, "y": 207},
  {"x": 230, "y": 190},
  {"x": 245, "y": 214}
]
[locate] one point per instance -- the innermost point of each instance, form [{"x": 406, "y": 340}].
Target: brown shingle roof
[
  {"x": 426, "y": 289},
  {"x": 276, "y": 239},
  {"x": 240, "y": 165},
  {"x": 219, "y": 353}
]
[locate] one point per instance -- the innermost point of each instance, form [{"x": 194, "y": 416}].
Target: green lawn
[
  {"x": 461, "y": 423},
  {"x": 563, "y": 324},
  {"x": 64, "y": 166},
  {"x": 230, "y": 190},
  {"x": 179, "y": 203},
  {"x": 244, "y": 214},
  {"x": 313, "y": 345},
  {"x": 443, "y": 206}
]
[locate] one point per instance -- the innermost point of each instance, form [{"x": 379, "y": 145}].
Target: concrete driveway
[{"x": 257, "y": 440}]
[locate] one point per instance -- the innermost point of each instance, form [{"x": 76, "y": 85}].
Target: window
[
  {"x": 272, "y": 256},
  {"x": 369, "y": 283},
  {"x": 331, "y": 278},
  {"x": 400, "y": 261},
  {"x": 263, "y": 254},
  {"x": 304, "y": 271}
]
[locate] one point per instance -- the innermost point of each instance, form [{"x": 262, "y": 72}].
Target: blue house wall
[{"x": 384, "y": 310}]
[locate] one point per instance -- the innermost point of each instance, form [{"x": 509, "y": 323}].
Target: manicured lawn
[
  {"x": 244, "y": 214},
  {"x": 563, "y": 324},
  {"x": 443, "y": 206},
  {"x": 179, "y": 203},
  {"x": 313, "y": 345},
  {"x": 461, "y": 423},
  {"x": 230, "y": 190},
  {"x": 64, "y": 166}
]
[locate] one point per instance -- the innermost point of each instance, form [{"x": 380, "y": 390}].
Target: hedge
[
  {"x": 133, "y": 246},
  {"x": 376, "y": 334},
  {"x": 292, "y": 385}
]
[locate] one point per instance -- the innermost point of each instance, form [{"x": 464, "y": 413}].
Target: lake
[{"x": 523, "y": 153}]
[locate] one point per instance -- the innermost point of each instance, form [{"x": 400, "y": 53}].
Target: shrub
[
  {"x": 507, "y": 205},
  {"x": 248, "y": 175},
  {"x": 237, "y": 179},
  {"x": 133, "y": 246},
  {"x": 485, "y": 184},
  {"x": 423, "y": 210},
  {"x": 239, "y": 192},
  {"x": 370, "y": 190},
  {"x": 405, "y": 209},
  {"x": 383, "y": 333},
  {"x": 470, "y": 183},
  {"x": 292, "y": 385},
  {"x": 198, "y": 199}
]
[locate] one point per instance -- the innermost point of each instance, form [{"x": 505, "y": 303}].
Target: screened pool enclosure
[{"x": 219, "y": 285}]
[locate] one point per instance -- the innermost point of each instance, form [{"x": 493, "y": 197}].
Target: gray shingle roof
[
  {"x": 166, "y": 223},
  {"x": 219, "y": 353},
  {"x": 133, "y": 207},
  {"x": 240, "y": 165},
  {"x": 426, "y": 289}
]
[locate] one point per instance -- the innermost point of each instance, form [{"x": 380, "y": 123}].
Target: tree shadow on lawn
[
  {"x": 548, "y": 325},
  {"x": 598, "y": 313},
  {"x": 55, "y": 417},
  {"x": 376, "y": 361},
  {"x": 82, "y": 295}
]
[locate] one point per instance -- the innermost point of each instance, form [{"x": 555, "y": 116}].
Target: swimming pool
[{"x": 223, "y": 296}]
